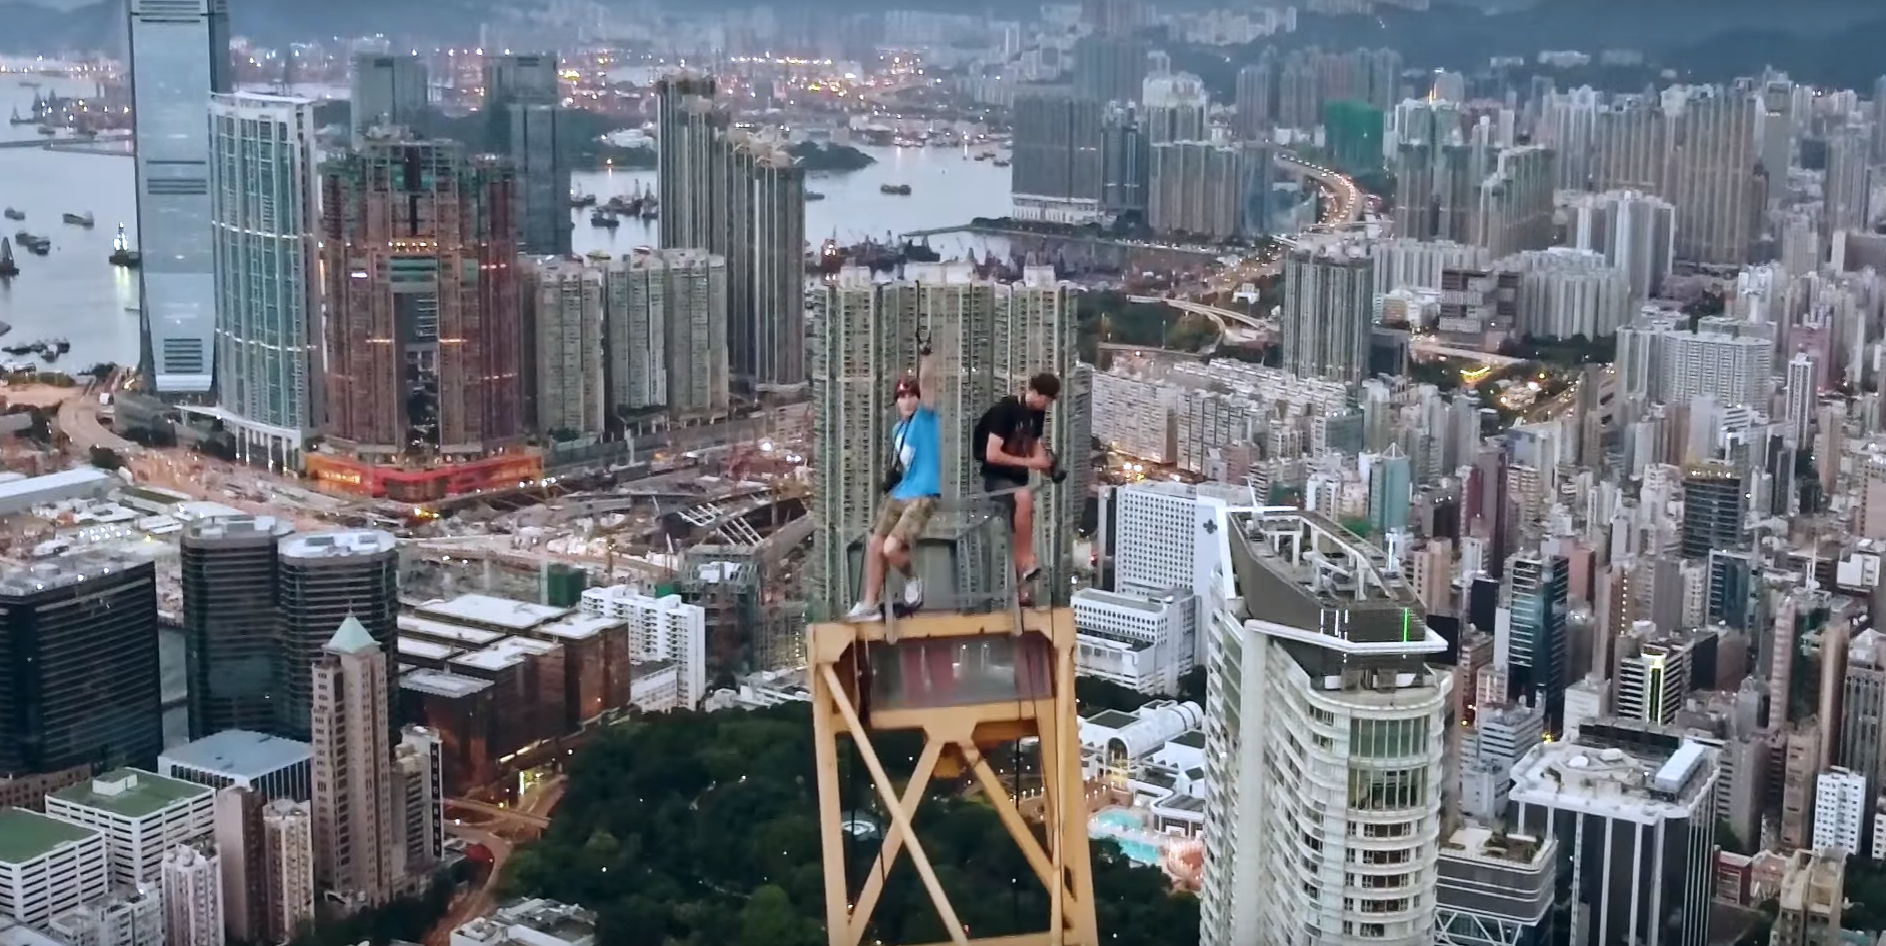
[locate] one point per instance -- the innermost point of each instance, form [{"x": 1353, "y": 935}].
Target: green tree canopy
[{"x": 702, "y": 830}]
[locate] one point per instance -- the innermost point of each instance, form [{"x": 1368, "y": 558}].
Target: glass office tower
[{"x": 179, "y": 57}]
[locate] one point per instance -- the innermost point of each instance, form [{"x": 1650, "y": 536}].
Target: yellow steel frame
[{"x": 959, "y": 731}]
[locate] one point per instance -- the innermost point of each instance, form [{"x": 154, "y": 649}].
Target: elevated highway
[{"x": 1435, "y": 349}]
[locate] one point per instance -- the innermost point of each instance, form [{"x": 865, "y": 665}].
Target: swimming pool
[{"x": 1127, "y": 829}]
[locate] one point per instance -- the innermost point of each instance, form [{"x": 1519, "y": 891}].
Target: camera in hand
[{"x": 1055, "y": 473}]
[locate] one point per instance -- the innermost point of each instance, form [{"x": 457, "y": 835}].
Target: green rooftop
[
  {"x": 130, "y": 793},
  {"x": 25, "y": 835}
]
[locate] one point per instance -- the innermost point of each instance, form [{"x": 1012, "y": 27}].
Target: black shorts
[{"x": 995, "y": 482}]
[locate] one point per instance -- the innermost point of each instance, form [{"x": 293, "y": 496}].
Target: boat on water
[
  {"x": 48, "y": 130},
  {"x": 79, "y": 220},
  {"x": 607, "y": 221},
  {"x": 813, "y": 195},
  {"x": 999, "y": 162},
  {"x": 600, "y": 256},
  {"x": 13, "y": 214},
  {"x": 899, "y": 190},
  {"x": 578, "y": 199},
  {"x": 123, "y": 255},
  {"x": 8, "y": 268},
  {"x": 17, "y": 120}
]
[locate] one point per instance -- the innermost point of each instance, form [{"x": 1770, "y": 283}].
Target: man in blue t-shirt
[{"x": 912, "y": 487}]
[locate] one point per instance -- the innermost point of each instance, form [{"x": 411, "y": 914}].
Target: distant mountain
[{"x": 33, "y": 27}]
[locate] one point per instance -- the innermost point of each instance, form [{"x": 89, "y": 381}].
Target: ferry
[
  {"x": 79, "y": 220},
  {"x": 12, "y": 214},
  {"x": 899, "y": 190},
  {"x": 811, "y": 196}
]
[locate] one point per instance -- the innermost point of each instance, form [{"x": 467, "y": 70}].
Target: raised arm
[{"x": 926, "y": 370}]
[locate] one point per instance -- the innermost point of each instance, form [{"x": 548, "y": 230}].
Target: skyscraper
[
  {"x": 1716, "y": 181},
  {"x": 179, "y": 51},
  {"x": 1634, "y": 839},
  {"x": 262, "y": 199},
  {"x": 232, "y": 625},
  {"x": 689, "y": 289},
  {"x": 539, "y": 146},
  {"x": 989, "y": 338},
  {"x": 1059, "y": 171},
  {"x": 353, "y": 768},
  {"x": 1324, "y": 739},
  {"x": 423, "y": 343},
  {"x": 326, "y": 578},
  {"x": 1328, "y": 312},
  {"x": 78, "y": 664},
  {"x": 1539, "y": 588},
  {"x": 740, "y": 196},
  {"x": 691, "y": 145},
  {"x": 388, "y": 91},
  {"x": 765, "y": 265}
]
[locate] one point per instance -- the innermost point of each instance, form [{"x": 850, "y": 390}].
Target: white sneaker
[
  {"x": 862, "y": 613},
  {"x": 913, "y": 593}
]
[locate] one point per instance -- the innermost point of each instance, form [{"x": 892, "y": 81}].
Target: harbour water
[{"x": 74, "y": 293}]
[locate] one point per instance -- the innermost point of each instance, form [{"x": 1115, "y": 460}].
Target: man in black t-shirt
[{"x": 1008, "y": 439}]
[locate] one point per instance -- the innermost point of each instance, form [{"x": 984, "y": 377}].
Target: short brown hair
[{"x": 1046, "y": 385}]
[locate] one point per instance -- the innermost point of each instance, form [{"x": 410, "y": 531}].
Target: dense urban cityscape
[{"x": 1109, "y": 472}]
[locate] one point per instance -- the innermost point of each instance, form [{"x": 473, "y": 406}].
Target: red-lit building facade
[{"x": 423, "y": 334}]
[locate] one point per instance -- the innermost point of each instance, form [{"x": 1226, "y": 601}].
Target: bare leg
[
  {"x": 1024, "y": 532},
  {"x": 896, "y": 556},
  {"x": 873, "y": 573}
]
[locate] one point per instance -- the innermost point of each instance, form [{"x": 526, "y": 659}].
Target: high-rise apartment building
[
  {"x": 765, "y": 252},
  {"x": 327, "y": 578},
  {"x": 1716, "y": 180},
  {"x": 689, "y": 289},
  {"x": 79, "y": 678},
  {"x": 1635, "y": 232},
  {"x": 388, "y": 91},
  {"x": 1328, "y": 312},
  {"x": 419, "y": 256},
  {"x": 1636, "y": 840},
  {"x": 1324, "y": 739},
  {"x": 1110, "y": 68},
  {"x": 268, "y": 302},
  {"x": 232, "y": 623},
  {"x": 1201, "y": 189},
  {"x": 288, "y": 867},
  {"x": 179, "y": 52},
  {"x": 1059, "y": 171},
  {"x": 1513, "y": 207},
  {"x": 637, "y": 309},
  {"x": 1652, "y": 678},
  {"x": 989, "y": 338},
  {"x": 1841, "y": 811},
  {"x": 563, "y": 309},
  {"x": 48, "y": 866},
  {"x": 192, "y": 887},
  {"x": 353, "y": 756},
  {"x": 1850, "y": 176},
  {"x": 739, "y": 196},
  {"x": 691, "y": 142},
  {"x": 1862, "y": 728},
  {"x": 143, "y": 816},
  {"x": 660, "y": 628}
]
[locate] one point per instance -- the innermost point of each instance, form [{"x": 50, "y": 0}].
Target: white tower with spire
[{"x": 353, "y": 773}]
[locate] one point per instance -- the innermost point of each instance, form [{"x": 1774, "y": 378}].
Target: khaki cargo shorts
[{"x": 904, "y": 519}]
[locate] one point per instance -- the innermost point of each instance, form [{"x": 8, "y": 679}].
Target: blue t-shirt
[{"x": 917, "y": 442}]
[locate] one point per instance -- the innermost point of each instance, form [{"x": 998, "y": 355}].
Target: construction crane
[{"x": 974, "y": 671}]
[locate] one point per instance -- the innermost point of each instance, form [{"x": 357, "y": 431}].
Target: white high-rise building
[
  {"x": 663, "y": 628},
  {"x": 47, "y": 866},
  {"x": 264, "y": 210},
  {"x": 1646, "y": 832},
  {"x": 126, "y": 916},
  {"x": 1324, "y": 740},
  {"x": 288, "y": 867},
  {"x": 1840, "y": 810},
  {"x": 142, "y": 815},
  {"x": 193, "y": 898}
]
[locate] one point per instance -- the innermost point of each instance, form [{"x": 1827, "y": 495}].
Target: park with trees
[{"x": 701, "y": 829}]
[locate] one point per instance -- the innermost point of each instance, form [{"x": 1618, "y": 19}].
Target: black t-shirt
[{"x": 1020, "y": 429}]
